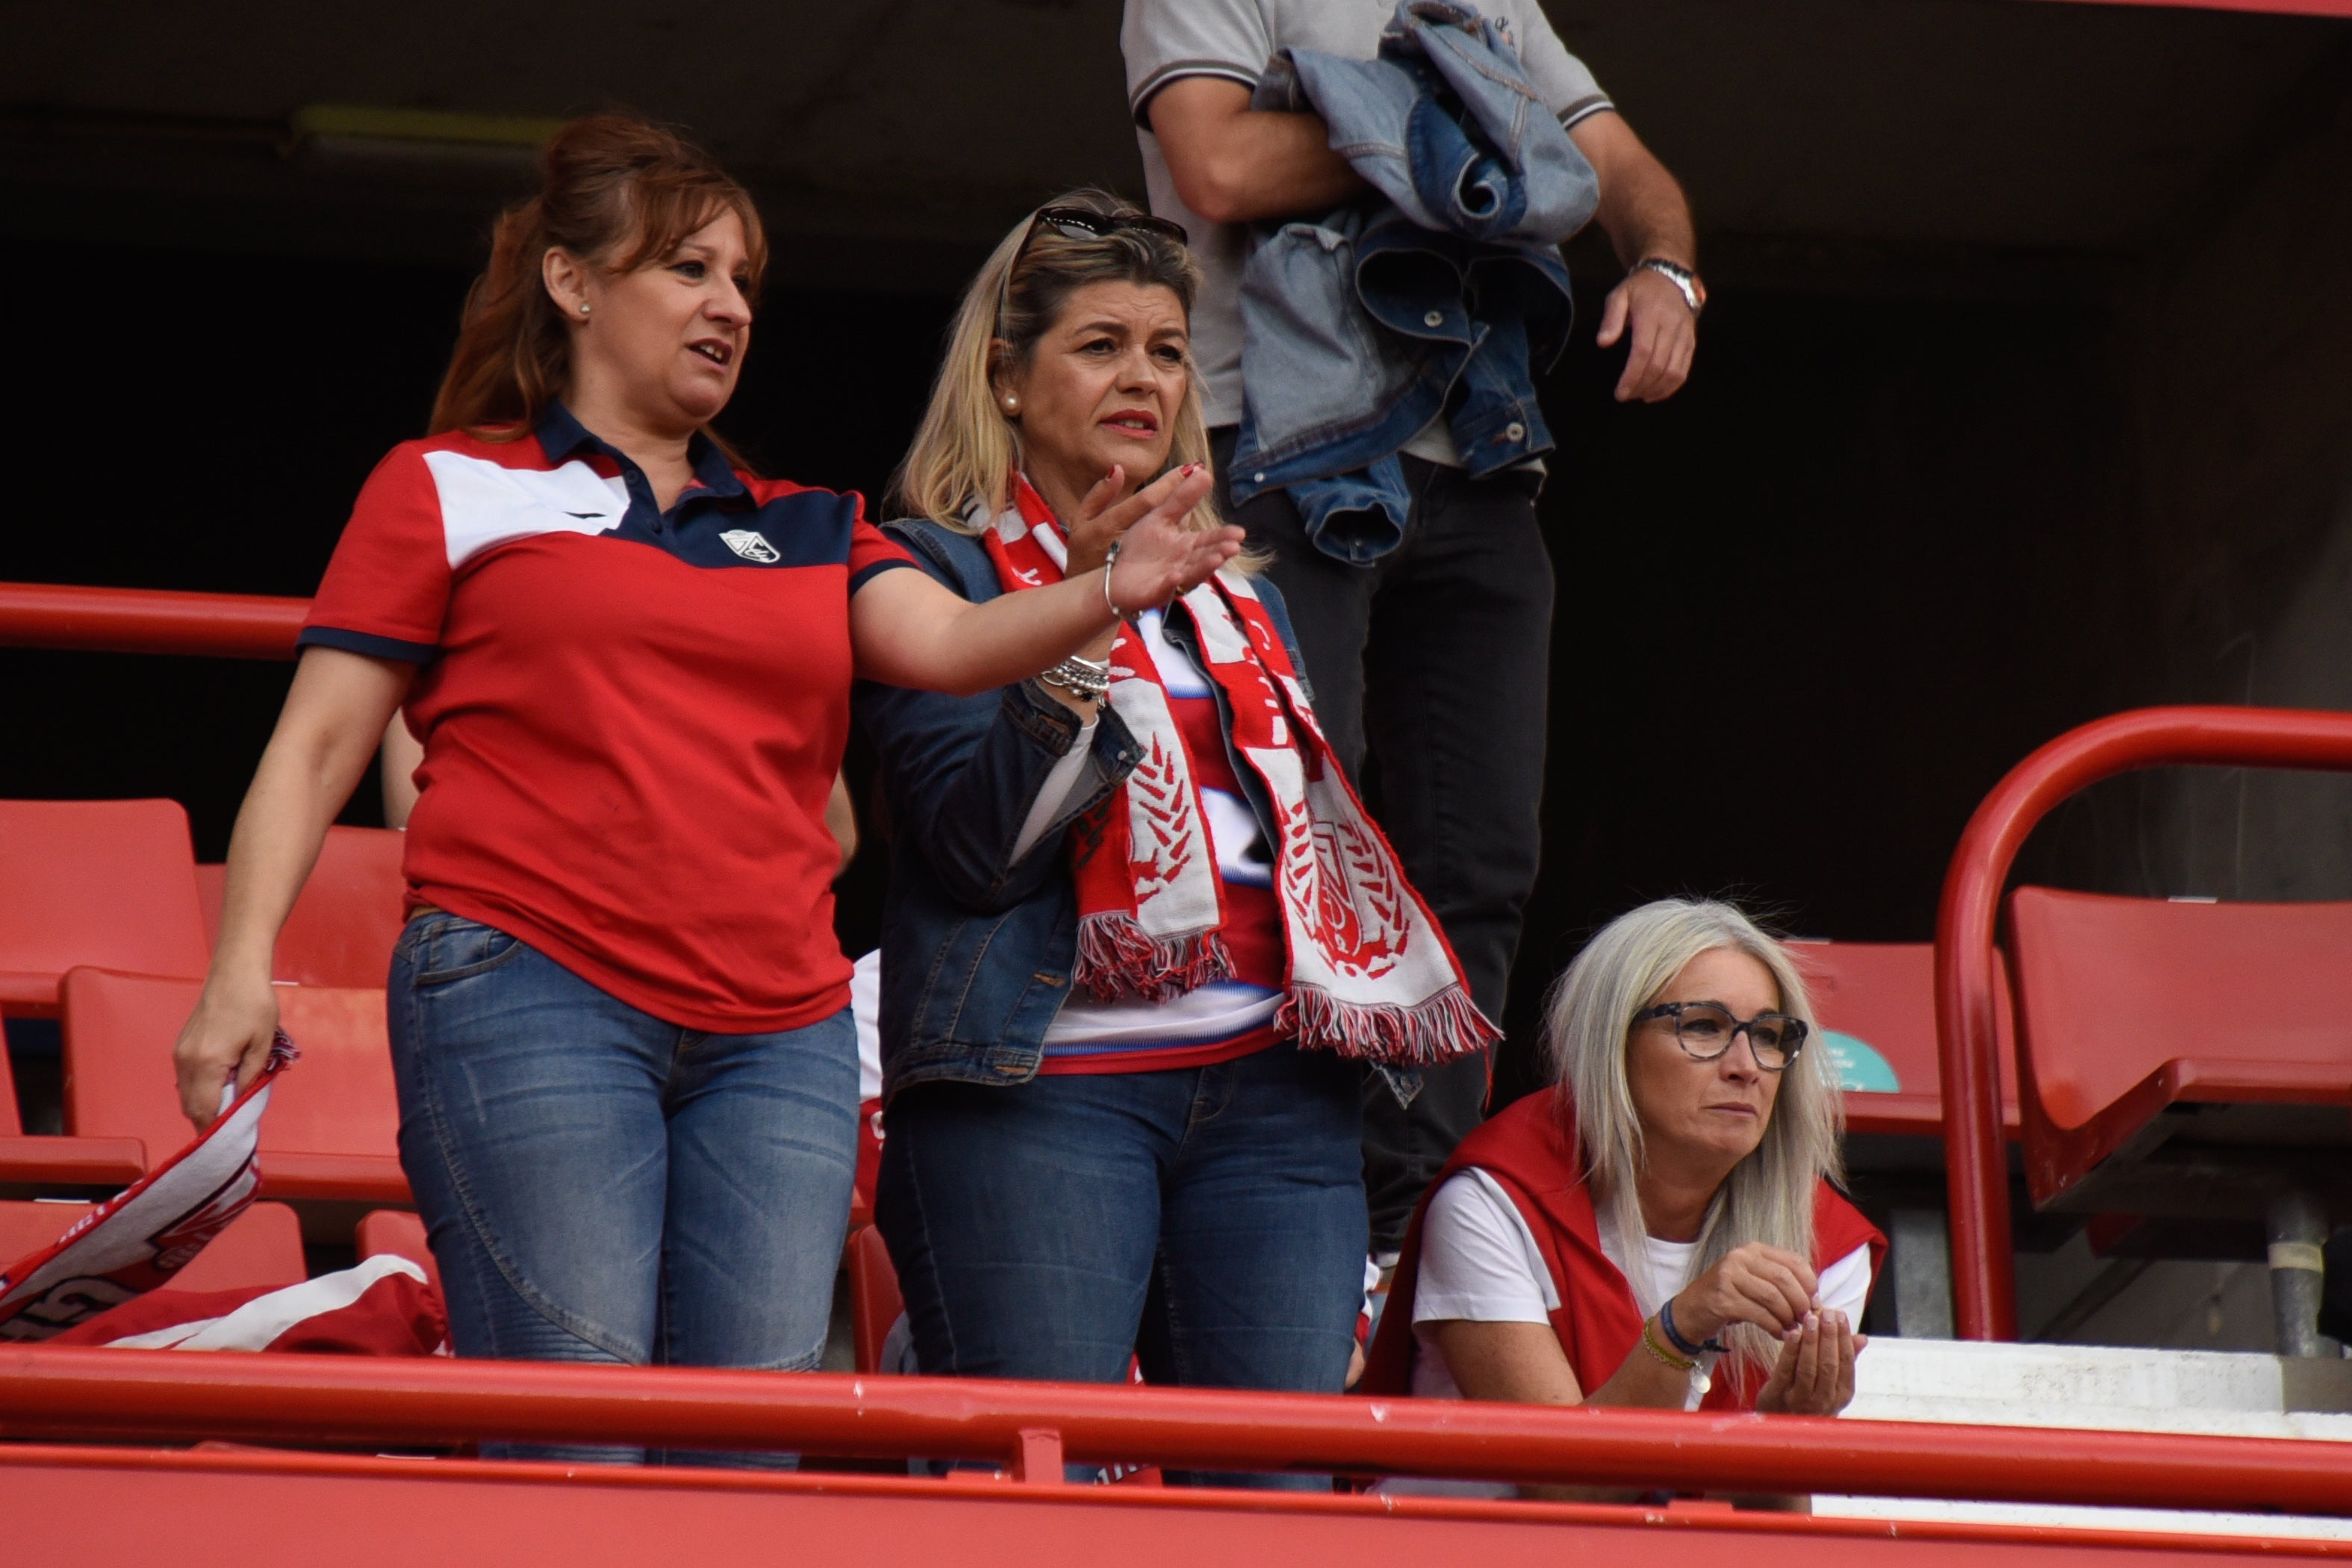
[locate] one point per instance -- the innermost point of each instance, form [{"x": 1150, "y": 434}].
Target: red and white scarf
[
  {"x": 1371, "y": 973},
  {"x": 140, "y": 1238}
]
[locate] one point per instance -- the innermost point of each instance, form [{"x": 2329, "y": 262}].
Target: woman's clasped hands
[{"x": 1778, "y": 1292}]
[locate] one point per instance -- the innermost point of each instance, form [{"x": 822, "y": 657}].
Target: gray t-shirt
[{"x": 1167, "y": 40}]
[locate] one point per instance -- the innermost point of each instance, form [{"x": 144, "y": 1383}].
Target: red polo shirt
[{"x": 631, "y": 718}]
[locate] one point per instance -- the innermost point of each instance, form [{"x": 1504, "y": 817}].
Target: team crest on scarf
[{"x": 1371, "y": 973}]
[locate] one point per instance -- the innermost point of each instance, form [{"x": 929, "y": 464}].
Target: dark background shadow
[{"x": 1808, "y": 610}]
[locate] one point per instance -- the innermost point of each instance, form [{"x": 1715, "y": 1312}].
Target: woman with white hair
[{"x": 1666, "y": 1209}]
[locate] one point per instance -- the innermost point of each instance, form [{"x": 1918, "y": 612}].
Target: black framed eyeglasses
[
  {"x": 1705, "y": 1030},
  {"x": 1081, "y": 223}
]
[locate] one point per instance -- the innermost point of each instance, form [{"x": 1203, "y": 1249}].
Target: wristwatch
[{"x": 1681, "y": 277}]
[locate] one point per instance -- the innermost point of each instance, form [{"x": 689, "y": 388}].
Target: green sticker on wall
[{"x": 1860, "y": 1069}]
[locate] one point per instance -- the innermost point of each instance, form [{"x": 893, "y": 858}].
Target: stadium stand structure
[
  {"x": 111, "y": 882},
  {"x": 1951, "y": 1450},
  {"x": 2210, "y": 1027}
]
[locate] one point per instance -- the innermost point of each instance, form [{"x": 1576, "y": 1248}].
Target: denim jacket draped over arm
[{"x": 1443, "y": 292}]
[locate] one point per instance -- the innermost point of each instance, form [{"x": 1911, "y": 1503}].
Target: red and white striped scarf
[
  {"x": 137, "y": 1239},
  {"x": 1370, "y": 973}
]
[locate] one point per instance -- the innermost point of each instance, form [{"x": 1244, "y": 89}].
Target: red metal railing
[
  {"x": 1984, "y": 1295},
  {"x": 149, "y": 620},
  {"x": 1033, "y": 1427}
]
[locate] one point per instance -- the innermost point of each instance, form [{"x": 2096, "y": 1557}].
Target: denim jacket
[
  {"x": 1444, "y": 294},
  {"x": 977, "y": 949}
]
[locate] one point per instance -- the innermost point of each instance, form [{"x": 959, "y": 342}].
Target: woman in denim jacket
[{"x": 1141, "y": 938}]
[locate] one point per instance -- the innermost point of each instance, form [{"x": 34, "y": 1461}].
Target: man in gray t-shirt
[{"x": 1433, "y": 658}]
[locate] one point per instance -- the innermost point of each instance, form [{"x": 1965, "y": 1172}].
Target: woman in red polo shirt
[{"x": 620, "y": 1021}]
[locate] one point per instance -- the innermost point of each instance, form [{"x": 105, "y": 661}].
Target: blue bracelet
[{"x": 1674, "y": 1335}]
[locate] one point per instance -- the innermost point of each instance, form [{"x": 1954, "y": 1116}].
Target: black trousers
[{"x": 1433, "y": 662}]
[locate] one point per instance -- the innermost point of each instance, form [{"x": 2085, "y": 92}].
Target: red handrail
[
  {"x": 49, "y": 1392},
  {"x": 1984, "y": 1296},
  {"x": 149, "y": 620},
  {"x": 244, "y": 626}
]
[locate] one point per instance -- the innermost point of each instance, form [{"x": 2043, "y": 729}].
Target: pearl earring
[
  {"x": 1011, "y": 404},
  {"x": 583, "y": 307}
]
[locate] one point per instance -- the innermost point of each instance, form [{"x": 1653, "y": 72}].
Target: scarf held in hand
[{"x": 1370, "y": 975}]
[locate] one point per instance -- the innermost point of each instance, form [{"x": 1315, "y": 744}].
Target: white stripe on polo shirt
[{"x": 483, "y": 503}]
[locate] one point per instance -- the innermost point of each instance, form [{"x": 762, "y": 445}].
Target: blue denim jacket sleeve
[{"x": 961, "y": 772}]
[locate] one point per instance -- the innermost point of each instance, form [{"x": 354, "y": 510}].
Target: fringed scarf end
[
  {"x": 1437, "y": 1029},
  {"x": 1119, "y": 961}
]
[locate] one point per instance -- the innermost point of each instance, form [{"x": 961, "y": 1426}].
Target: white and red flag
[{"x": 136, "y": 1240}]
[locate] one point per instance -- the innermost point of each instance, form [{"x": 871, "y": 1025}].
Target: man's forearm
[
  {"x": 1235, "y": 165},
  {"x": 1643, "y": 208},
  {"x": 1649, "y": 217}
]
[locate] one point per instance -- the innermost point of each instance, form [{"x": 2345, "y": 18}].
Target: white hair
[{"x": 1589, "y": 1019}]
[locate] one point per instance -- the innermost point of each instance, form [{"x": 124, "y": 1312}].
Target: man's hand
[
  {"x": 1665, "y": 335},
  {"x": 1644, "y": 213}
]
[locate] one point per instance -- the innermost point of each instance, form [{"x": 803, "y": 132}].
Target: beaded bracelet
[
  {"x": 1680, "y": 1341},
  {"x": 1650, "y": 1343},
  {"x": 1081, "y": 677}
]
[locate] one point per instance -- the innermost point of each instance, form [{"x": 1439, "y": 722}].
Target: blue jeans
[
  {"x": 600, "y": 1187},
  {"x": 1208, "y": 1221}
]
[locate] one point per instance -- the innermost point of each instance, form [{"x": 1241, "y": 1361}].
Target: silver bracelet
[
  {"x": 1111, "y": 561},
  {"x": 1081, "y": 677}
]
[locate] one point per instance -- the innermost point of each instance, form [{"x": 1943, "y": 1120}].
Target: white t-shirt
[
  {"x": 1479, "y": 1263},
  {"x": 1167, "y": 40},
  {"x": 865, "y": 1011}
]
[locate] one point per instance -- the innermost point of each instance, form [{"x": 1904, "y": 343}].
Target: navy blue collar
[{"x": 561, "y": 436}]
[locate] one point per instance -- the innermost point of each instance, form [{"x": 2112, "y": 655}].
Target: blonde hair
[
  {"x": 968, "y": 447},
  {"x": 1769, "y": 1196}
]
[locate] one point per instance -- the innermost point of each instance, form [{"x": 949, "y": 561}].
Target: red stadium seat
[
  {"x": 342, "y": 928},
  {"x": 874, "y": 1300},
  {"x": 36, "y": 1163},
  {"x": 400, "y": 1233},
  {"x": 869, "y": 1164},
  {"x": 1877, "y": 1003},
  {"x": 262, "y": 1247},
  {"x": 333, "y": 1126},
  {"x": 109, "y": 883},
  {"x": 2128, "y": 1009},
  {"x": 212, "y": 885}
]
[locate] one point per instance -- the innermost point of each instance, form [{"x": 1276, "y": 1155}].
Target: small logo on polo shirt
[{"x": 751, "y": 545}]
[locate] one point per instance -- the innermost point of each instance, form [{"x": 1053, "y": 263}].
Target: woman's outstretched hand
[
  {"x": 1814, "y": 1375},
  {"x": 1164, "y": 555},
  {"x": 1103, "y": 516}
]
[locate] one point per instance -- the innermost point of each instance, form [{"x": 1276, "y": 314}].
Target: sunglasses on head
[{"x": 1083, "y": 223}]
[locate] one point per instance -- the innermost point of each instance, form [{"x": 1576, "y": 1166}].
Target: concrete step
[{"x": 2101, "y": 1388}]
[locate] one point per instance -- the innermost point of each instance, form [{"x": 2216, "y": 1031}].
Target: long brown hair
[{"x": 619, "y": 192}]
